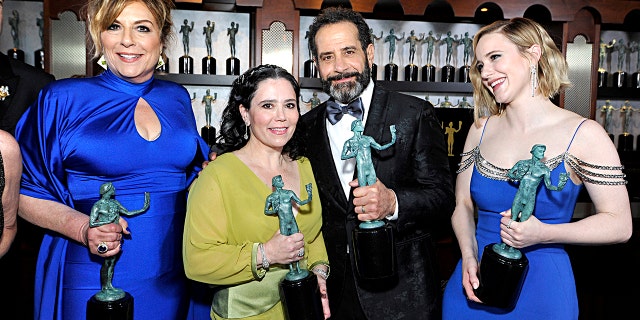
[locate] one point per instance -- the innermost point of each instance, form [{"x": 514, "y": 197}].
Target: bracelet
[
  {"x": 321, "y": 273},
  {"x": 265, "y": 261}
]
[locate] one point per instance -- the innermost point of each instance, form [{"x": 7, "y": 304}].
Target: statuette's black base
[
  {"x": 121, "y": 309},
  {"x": 411, "y": 72},
  {"x": 625, "y": 142},
  {"x": 310, "y": 70},
  {"x": 429, "y": 73},
  {"x": 635, "y": 80},
  {"x": 208, "y": 133},
  {"x": 186, "y": 65},
  {"x": 208, "y": 65},
  {"x": 448, "y": 74},
  {"x": 16, "y": 54},
  {"x": 38, "y": 59},
  {"x": 374, "y": 251},
  {"x": 391, "y": 72},
  {"x": 501, "y": 279},
  {"x": 233, "y": 66},
  {"x": 463, "y": 74},
  {"x": 603, "y": 77},
  {"x": 301, "y": 298},
  {"x": 620, "y": 79}
]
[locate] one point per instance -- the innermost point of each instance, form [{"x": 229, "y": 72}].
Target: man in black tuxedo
[
  {"x": 413, "y": 191},
  {"x": 22, "y": 83}
]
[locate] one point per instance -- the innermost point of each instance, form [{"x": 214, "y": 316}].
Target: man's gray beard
[{"x": 346, "y": 92}]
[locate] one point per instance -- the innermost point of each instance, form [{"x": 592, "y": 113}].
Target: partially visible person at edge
[
  {"x": 229, "y": 241},
  {"x": 413, "y": 192},
  {"x": 516, "y": 70},
  {"x": 10, "y": 172},
  {"x": 19, "y": 84},
  {"x": 125, "y": 127}
]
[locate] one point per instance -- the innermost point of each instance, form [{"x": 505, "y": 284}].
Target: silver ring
[
  {"x": 301, "y": 252},
  {"x": 509, "y": 224},
  {"x": 362, "y": 209},
  {"x": 102, "y": 248}
]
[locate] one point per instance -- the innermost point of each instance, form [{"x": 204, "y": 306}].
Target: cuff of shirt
[{"x": 394, "y": 216}]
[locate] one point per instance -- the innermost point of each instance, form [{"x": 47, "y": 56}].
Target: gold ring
[
  {"x": 102, "y": 248},
  {"x": 362, "y": 209}
]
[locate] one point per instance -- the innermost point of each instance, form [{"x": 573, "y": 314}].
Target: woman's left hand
[
  {"x": 324, "y": 297},
  {"x": 520, "y": 234}
]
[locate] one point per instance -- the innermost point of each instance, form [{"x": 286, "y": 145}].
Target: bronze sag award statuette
[
  {"x": 110, "y": 303},
  {"x": 299, "y": 288}
]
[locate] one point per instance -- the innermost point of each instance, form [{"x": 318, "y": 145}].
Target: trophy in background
[
  {"x": 208, "y": 132},
  {"x": 625, "y": 140},
  {"x": 391, "y": 69},
  {"x": 14, "y": 22},
  {"x": 233, "y": 63},
  {"x": 607, "y": 112},
  {"x": 429, "y": 70},
  {"x": 110, "y": 302},
  {"x": 208, "y": 62},
  {"x": 635, "y": 77},
  {"x": 310, "y": 70},
  {"x": 463, "y": 73},
  {"x": 374, "y": 67},
  {"x": 411, "y": 70},
  {"x": 373, "y": 241},
  {"x": 603, "y": 75},
  {"x": 299, "y": 288},
  {"x": 38, "y": 55},
  {"x": 620, "y": 76},
  {"x": 448, "y": 71},
  {"x": 503, "y": 268},
  {"x": 313, "y": 102},
  {"x": 186, "y": 62}
]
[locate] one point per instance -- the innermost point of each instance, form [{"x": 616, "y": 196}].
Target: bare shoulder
[{"x": 592, "y": 144}]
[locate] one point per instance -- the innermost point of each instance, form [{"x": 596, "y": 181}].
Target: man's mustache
[{"x": 343, "y": 75}]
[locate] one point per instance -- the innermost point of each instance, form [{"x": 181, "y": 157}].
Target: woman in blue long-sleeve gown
[{"x": 125, "y": 127}]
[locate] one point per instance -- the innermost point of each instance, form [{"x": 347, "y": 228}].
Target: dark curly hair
[
  {"x": 333, "y": 15},
  {"x": 233, "y": 128}
]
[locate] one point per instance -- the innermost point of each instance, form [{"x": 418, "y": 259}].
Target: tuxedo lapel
[
  {"x": 321, "y": 158},
  {"x": 8, "y": 79},
  {"x": 377, "y": 122}
]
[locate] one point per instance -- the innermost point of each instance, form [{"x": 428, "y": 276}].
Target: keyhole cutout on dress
[{"x": 147, "y": 122}]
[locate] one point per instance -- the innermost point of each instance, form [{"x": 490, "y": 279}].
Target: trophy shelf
[
  {"x": 197, "y": 79},
  {"x": 618, "y": 93},
  {"x": 405, "y": 86}
]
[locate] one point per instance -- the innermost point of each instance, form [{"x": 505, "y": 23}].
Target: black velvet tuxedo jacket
[
  {"x": 417, "y": 169},
  {"x": 24, "y": 82}
]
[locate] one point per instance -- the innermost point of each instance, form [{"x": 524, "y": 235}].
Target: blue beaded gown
[
  {"x": 549, "y": 290},
  {"x": 81, "y": 133}
]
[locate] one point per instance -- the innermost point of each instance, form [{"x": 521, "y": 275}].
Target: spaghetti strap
[
  {"x": 574, "y": 134},
  {"x": 483, "y": 128}
]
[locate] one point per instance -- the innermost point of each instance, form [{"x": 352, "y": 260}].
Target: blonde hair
[
  {"x": 102, "y": 13},
  {"x": 523, "y": 32}
]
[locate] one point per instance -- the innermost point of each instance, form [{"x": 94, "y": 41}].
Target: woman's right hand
[
  {"x": 285, "y": 249},
  {"x": 110, "y": 234},
  {"x": 470, "y": 279}
]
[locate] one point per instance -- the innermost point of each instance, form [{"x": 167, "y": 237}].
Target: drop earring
[
  {"x": 534, "y": 79},
  {"x": 102, "y": 62},
  {"x": 246, "y": 131}
]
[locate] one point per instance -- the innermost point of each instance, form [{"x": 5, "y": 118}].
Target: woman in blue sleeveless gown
[
  {"x": 517, "y": 67},
  {"x": 125, "y": 127}
]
